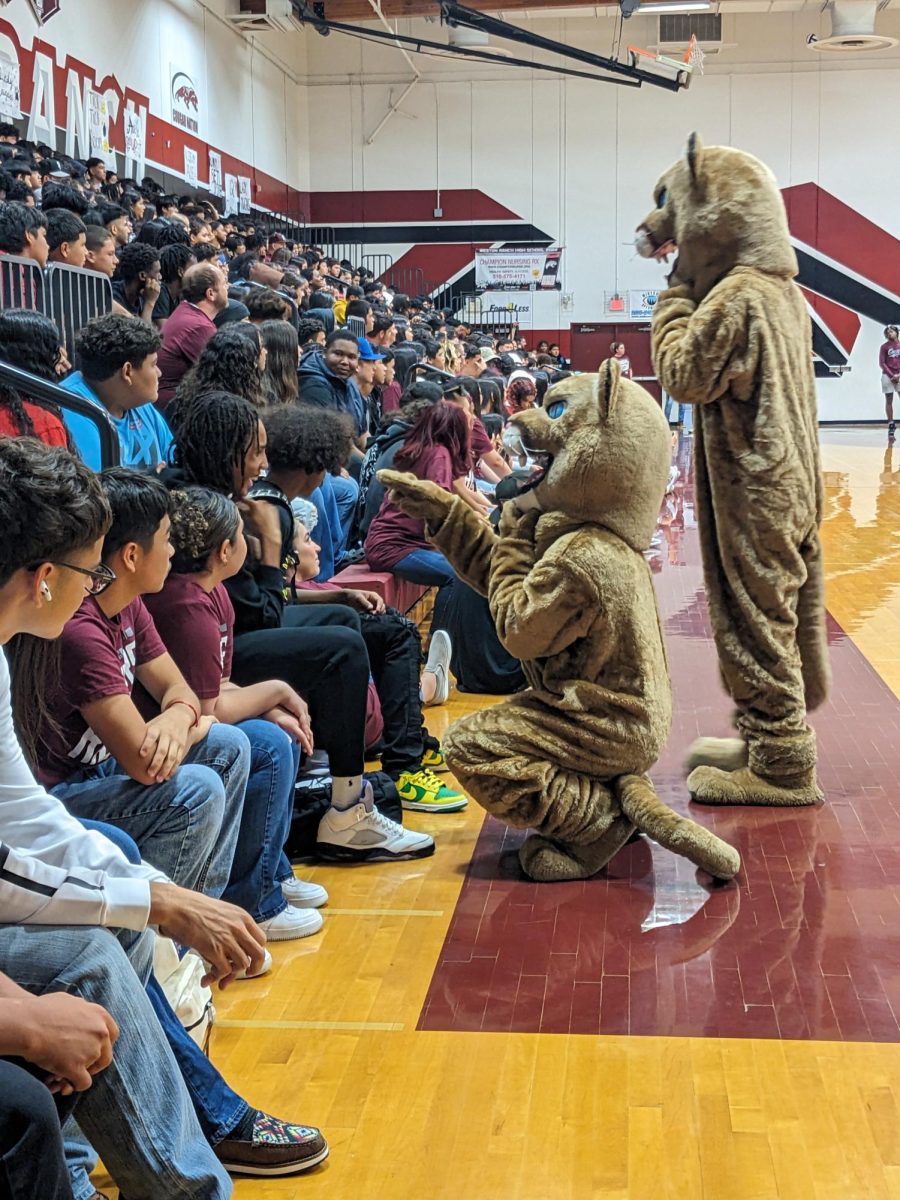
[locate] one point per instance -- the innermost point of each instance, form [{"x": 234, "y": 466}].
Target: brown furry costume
[
  {"x": 732, "y": 336},
  {"x": 572, "y": 598}
]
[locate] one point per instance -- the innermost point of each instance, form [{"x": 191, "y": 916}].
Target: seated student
[
  {"x": 300, "y": 447},
  {"x": 100, "y": 255},
  {"x": 195, "y": 619},
  {"x": 23, "y": 231},
  {"x": 437, "y": 447},
  {"x": 221, "y": 444},
  {"x": 204, "y": 294},
  {"x": 136, "y": 281},
  {"x": 233, "y": 361},
  {"x": 327, "y": 379},
  {"x": 137, "y": 1108},
  {"x": 174, "y": 260},
  {"x": 116, "y": 357},
  {"x": 137, "y": 550},
  {"x": 97, "y": 753},
  {"x": 30, "y": 340},
  {"x": 66, "y": 237}
]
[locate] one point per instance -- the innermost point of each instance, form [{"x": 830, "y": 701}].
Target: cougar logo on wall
[{"x": 44, "y": 9}]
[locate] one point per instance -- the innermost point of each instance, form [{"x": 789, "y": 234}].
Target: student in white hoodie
[{"x": 63, "y": 889}]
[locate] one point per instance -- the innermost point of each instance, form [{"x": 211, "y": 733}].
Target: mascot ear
[
  {"x": 608, "y": 387},
  {"x": 695, "y": 158}
]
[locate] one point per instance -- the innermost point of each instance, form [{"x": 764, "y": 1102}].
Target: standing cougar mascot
[
  {"x": 732, "y": 336},
  {"x": 572, "y": 598}
]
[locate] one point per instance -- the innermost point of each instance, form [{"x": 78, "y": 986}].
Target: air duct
[{"x": 852, "y": 29}]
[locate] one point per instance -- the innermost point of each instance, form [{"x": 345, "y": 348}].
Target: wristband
[{"x": 187, "y": 704}]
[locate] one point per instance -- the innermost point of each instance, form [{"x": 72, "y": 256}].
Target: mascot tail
[
  {"x": 812, "y": 638},
  {"x": 647, "y": 812}
]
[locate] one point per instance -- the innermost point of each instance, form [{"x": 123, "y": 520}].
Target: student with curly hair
[
  {"x": 232, "y": 361},
  {"x": 117, "y": 371}
]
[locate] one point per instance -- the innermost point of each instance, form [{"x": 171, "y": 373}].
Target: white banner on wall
[
  {"x": 134, "y": 134},
  {"x": 515, "y": 269},
  {"x": 9, "y": 89},
  {"x": 244, "y": 193},
  {"x": 641, "y": 305},
  {"x": 191, "y": 164},
  {"x": 98, "y": 118},
  {"x": 232, "y": 201},
  {"x": 215, "y": 174},
  {"x": 185, "y": 102}
]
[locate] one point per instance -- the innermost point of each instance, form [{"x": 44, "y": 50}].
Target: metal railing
[
  {"x": 40, "y": 389},
  {"x": 73, "y": 296},
  {"x": 379, "y": 264},
  {"x": 69, "y": 296},
  {"x": 409, "y": 281}
]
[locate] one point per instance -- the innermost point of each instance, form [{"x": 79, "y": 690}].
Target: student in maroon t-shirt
[
  {"x": 103, "y": 759},
  {"x": 196, "y": 620},
  {"x": 437, "y": 447}
]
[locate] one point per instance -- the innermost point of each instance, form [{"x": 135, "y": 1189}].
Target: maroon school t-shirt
[
  {"x": 98, "y": 659},
  {"x": 392, "y": 534},
  {"x": 198, "y": 629}
]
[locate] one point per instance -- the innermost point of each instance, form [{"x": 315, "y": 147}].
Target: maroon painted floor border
[{"x": 807, "y": 945}]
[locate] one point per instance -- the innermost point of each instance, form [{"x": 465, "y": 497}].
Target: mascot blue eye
[
  {"x": 662, "y": 198},
  {"x": 556, "y": 409}
]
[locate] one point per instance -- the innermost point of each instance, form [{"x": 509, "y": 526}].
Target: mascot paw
[
  {"x": 728, "y": 754},
  {"x": 419, "y": 498},
  {"x": 545, "y": 861},
  {"x": 708, "y": 785}
]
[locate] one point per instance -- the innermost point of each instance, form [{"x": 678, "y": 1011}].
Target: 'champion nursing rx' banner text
[{"x": 517, "y": 269}]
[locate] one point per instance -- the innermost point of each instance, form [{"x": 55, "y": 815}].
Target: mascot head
[
  {"x": 605, "y": 450},
  {"x": 718, "y": 208}
]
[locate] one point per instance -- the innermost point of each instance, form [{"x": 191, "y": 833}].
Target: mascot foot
[
  {"x": 708, "y": 785},
  {"x": 728, "y": 754},
  {"x": 547, "y": 861}
]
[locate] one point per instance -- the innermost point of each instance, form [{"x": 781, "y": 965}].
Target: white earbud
[{"x": 45, "y": 591}]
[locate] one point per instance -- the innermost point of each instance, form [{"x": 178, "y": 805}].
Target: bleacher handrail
[{"x": 41, "y": 389}]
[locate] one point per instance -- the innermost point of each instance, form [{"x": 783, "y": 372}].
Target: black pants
[
  {"x": 327, "y": 663},
  {"x": 394, "y": 652},
  {"x": 395, "y": 655},
  {"x": 32, "y": 1164}
]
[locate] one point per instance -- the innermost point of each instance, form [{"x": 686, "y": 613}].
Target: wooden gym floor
[{"x": 457, "y": 1031}]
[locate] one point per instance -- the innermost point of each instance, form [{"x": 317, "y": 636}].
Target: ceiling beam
[{"x": 361, "y": 10}]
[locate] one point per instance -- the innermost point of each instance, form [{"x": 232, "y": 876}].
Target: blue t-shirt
[{"x": 144, "y": 436}]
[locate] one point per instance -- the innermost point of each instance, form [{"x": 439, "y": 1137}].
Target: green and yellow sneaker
[
  {"x": 433, "y": 758},
  {"x": 422, "y": 791}
]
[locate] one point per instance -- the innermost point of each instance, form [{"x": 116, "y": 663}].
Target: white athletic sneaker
[
  {"x": 363, "y": 834},
  {"x": 263, "y": 970},
  {"x": 302, "y": 894},
  {"x": 292, "y": 923},
  {"x": 439, "y": 653}
]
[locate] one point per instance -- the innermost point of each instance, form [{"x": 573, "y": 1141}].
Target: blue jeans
[
  {"x": 186, "y": 827},
  {"x": 427, "y": 567},
  {"x": 137, "y": 1112},
  {"x": 217, "y": 1107},
  {"x": 346, "y": 495},
  {"x": 260, "y": 863}
]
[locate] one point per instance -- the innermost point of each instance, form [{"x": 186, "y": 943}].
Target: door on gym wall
[{"x": 590, "y": 346}]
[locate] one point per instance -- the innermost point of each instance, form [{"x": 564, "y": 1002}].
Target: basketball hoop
[{"x": 687, "y": 65}]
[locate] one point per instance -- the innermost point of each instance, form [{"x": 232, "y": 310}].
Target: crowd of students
[{"x": 180, "y": 654}]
